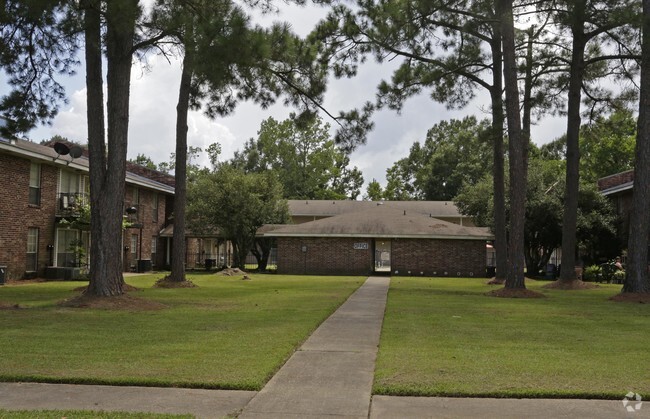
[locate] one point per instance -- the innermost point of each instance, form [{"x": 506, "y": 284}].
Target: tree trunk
[
  {"x": 262, "y": 250},
  {"x": 518, "y": 150},
  {"x": 108, "y": 164},
  {"x": 637, "y": 263},
  {"x": 576, "y": 76},
  {"x": 180, "y": 173},
  {"x": 528, "y": 86},
  {"x": 96, "y": 144},
  {"x": 496, "y": 92},
  {"x": 240, "y": 250}
]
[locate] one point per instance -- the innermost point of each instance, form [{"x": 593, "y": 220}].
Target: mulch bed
[
  {"x": 126, "y": 287},
  {"x": 575, "y": 284},
  {"x": 166, "y": 283},
  {"x": 231, "y": 272},
  {"x": 632, "y": 297},
  {"x": 515, "y": 293},
  {"x": 25, "y": 281},
  {"x": 495, "y": 281}
]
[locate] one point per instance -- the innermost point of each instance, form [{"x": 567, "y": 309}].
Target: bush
[
  {"x": 592, "y": 273},
  {"x": 619, "y": 277}
]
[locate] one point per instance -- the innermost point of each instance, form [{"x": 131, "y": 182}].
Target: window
[
  {"x": 134, "y": 243},
  {"x": 154, "y": 208},
  {"x": 69, "y": 182},
  {"x": 66, "y": 254},
  {"x": 154, "y": 248},
  {"x": 35, "y": 184},
  {"x": 32, "y": 250}
]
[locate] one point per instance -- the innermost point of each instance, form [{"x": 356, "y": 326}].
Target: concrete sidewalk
[
  {"x": 206, "y": 404},
  {"x": 386, "y": 407},
  {"x": 332, "y": 373}
]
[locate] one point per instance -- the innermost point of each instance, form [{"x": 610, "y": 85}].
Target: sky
[{"x": 154, "y": 94}]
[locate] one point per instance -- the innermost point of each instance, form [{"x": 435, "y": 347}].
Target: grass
[
  {"x": 443, "y": 337},
  {"x": 228, "y": 333},
  {"x": 83, "y": 414}
]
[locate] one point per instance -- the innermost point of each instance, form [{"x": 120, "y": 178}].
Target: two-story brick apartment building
[{"x": 42, "y": 195}]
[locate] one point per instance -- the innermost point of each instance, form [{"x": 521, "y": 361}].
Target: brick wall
[
  {"x": 324, "y": 256},
  {"x": 337, "y": 256},
  {"x": 18, "y": 215},
  {"x": 150, "y": 226},
  {"x": 435, "y": 257}
]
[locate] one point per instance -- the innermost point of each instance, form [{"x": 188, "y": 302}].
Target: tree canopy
[
  {"x": 454, "y": 152},
  {"x": 305, "y": 158},
  {"x": 235, "y": 204}
]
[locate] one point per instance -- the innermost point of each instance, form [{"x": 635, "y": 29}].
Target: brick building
[
  {"x": 378, "y": 239},
  {"x": 618, "y": 188},
  {"x": 42, "y": 199}
]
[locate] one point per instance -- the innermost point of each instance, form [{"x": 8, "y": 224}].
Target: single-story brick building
[{"x": 381, "y": 239}]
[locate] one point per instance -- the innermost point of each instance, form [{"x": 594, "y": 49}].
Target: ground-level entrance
[{"x": 382, "y": 255}]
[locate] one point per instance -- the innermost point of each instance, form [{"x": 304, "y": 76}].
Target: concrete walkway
[
  {"x": 386, "y": 407},
  {"x": 206, "y": 404},
  {"x": 331, "y": 375}
]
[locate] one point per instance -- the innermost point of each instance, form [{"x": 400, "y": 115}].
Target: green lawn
[
  {"x": 228, "y": 333},
  {"x": 444, "y": 337}
]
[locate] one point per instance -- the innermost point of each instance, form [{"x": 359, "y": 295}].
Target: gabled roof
[
  {"x": 36, "y": 151},
  {"x": 383, "y": 222},
  {"x": 326, "y": 208}
]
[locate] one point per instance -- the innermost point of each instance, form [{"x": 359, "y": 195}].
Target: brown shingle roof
[
  {"x": 383, "y": 222},
  {"x": 326, "y": 208}
]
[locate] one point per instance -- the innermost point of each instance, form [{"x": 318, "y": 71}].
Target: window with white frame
[
  {"x": 35, "y": 184},
  {"x": 154, "y": 208},
  {"x": 134, "y": 243},
  {"x": 32, "y": 250},
  {"x": 66, "y": 240}
]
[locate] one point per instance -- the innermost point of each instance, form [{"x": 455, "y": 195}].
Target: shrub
[
  {"x": 592, "y": 273},
  {"x": 619, "y": 277}
]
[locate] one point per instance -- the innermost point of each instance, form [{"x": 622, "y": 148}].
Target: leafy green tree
[
  {"x": 37, "y": 44},
  {"x": 144, "y": 161},
  {"x": 226, "y": 60},
  {"x": 304, "y": 157},
  {"x": 374, "y": 191},
  {"x": 606, "y": 146},
  {"x": 449, "y": 49},
  {"x": 543, "y": 222},
  {"x": 455, "y": 152},
  {"x": 588, "y": 28},
  {"x": 236, "y": 204}
]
